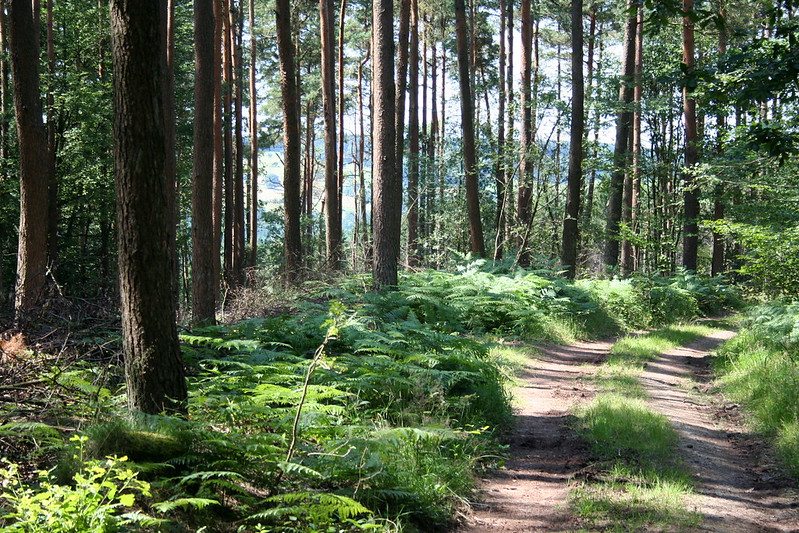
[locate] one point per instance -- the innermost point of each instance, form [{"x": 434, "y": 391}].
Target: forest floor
[{"x": 737, "y": 488}]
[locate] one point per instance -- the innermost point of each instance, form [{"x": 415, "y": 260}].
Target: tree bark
[
  {"x": 620, "y": 151},
  {"x": 153, "y": 368},
  {"x": 523, "y": 204},
  {"x": 202, "y": 227},
  {"x": 170, "y": 145},
  {"x": 717, "y": 265},
  {"x": 219, "y": 157},
  {"x": 332, "y": 206},
  {"x": 691, "y": 194},
  {"x": 467, "y": 123},
  {"x": 33, "y": 168},
  {"x": 292, "y": 243},
  {"x": 401, "y": 88},
  {"x": 499, "y": 167},
  {"x": 53, "y": 211},
  {"x": 386, "y": 191},
  {"x": 568, "y": 256},
  {"x": 254, "y": 208},
  {"x": 237, "y": 28},
  {"x": 413, "y": 138}
]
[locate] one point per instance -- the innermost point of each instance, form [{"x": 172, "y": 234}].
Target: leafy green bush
[{"x": 92, "y": 504}]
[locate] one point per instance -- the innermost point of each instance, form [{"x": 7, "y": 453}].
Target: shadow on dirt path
[
  {"x": 529, "y": 493},
  {"x": 738, "y": 487}
]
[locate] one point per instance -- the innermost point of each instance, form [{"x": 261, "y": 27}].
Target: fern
[{"x": 184, "y": 503}]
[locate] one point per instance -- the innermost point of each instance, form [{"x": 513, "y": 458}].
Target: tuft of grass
[
  {"x": 639, "y": 349},
  {"x": 627, "y": 506},
  {"x": 619, "y": 427},
  {"x": 621, "y": 379}
]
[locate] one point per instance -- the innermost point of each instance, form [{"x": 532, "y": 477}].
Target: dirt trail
[{"x": 738, "y": 489}]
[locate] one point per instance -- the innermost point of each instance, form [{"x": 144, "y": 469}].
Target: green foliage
[
  {"x": 101, "y": 490},
  {"x": 772, "y": 258},
  {"x": 760, "y": 369}
]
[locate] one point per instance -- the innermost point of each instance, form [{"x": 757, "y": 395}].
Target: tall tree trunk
[
  {"x": 203, "y": 286},
  {"x": 170, "y": 154},
  {"x": 386, "y": 191},
  {"x": 53, "y": 211},
  {"x": 292, "y": 239},
  {"x": 4, "y": 135},
  {"x": 219, "y": 153},
  {"x": 413, "y": 139},
  {"x": 499, "y": 168},
  {"x": 33, "y": 168},
  {"x": 467, "y": 123},
  {"x": 691, "y": 194},
  {"x": 254, "y": 209},
  {"x": 401, "y": 88},
  {"x": 717, "y": 265},
  {"x": 635, "y": 193},
  {"x": 362, "y": 158},
  {"x": 227, "y": 119},
  {"x": 237, "y": 28},
  {"x": 510, "y": 171},
  {"x": 524, "y": 202},
  {"x": 332, "y": 206},
  {"x": 589, "y": 199},
  {"x": 568, "y": 256},
  {"x": 153, "y": 367},
  {"x": 620, "y": 151}
]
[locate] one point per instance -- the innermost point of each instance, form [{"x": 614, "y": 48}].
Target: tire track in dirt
[
  {"x": 529, "y": 492},
  {"x": 738, "y": 489}
]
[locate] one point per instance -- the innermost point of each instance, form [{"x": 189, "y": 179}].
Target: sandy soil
[{"x": 738, "y": 487}]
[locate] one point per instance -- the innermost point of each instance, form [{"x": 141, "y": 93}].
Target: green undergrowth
[
  {"x": 353, "y": 411},
  {"x": 640, "y": 482},
  {"x": 760, "y": 369}
]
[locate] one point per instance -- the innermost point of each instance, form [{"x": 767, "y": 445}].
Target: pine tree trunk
[
  {"x": 620, "y": 151},
  {"x": 524, "y": 202},
  {"x": 499, "y": 167},
  {"x": 33, "y": 168},
  {"x": 292, "y": 243},
  {"x": 387, "y": 193},
  {"x": 717, "y": 265},
  {"x": 413, "y": 139},
  {"x": 227, "y": 129},
  {"x": 401, "y": 88},
  {"x": 219, "y": 157},
  {"x": 254, "y": 209},
  {"x": 467, "y": 123},
  {"x": 332, "y": 207},
  {"x": 236, "y": 25},
  {"x": 568, "y": 256},
  {"x": 170, "y": 157},
  {"x": 153, "y": 367},
  {"x": 691, "y": 194},
  {"x": 202, "y": 239},
  {"x": 53, "y": 211}
]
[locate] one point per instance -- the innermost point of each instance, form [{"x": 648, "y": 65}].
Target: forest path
[{"x": 737, "y": 487}]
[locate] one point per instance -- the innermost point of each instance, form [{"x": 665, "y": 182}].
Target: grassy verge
[
  {"x": 760, "y": 370},
  {"x": 639, "y": 481}
]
